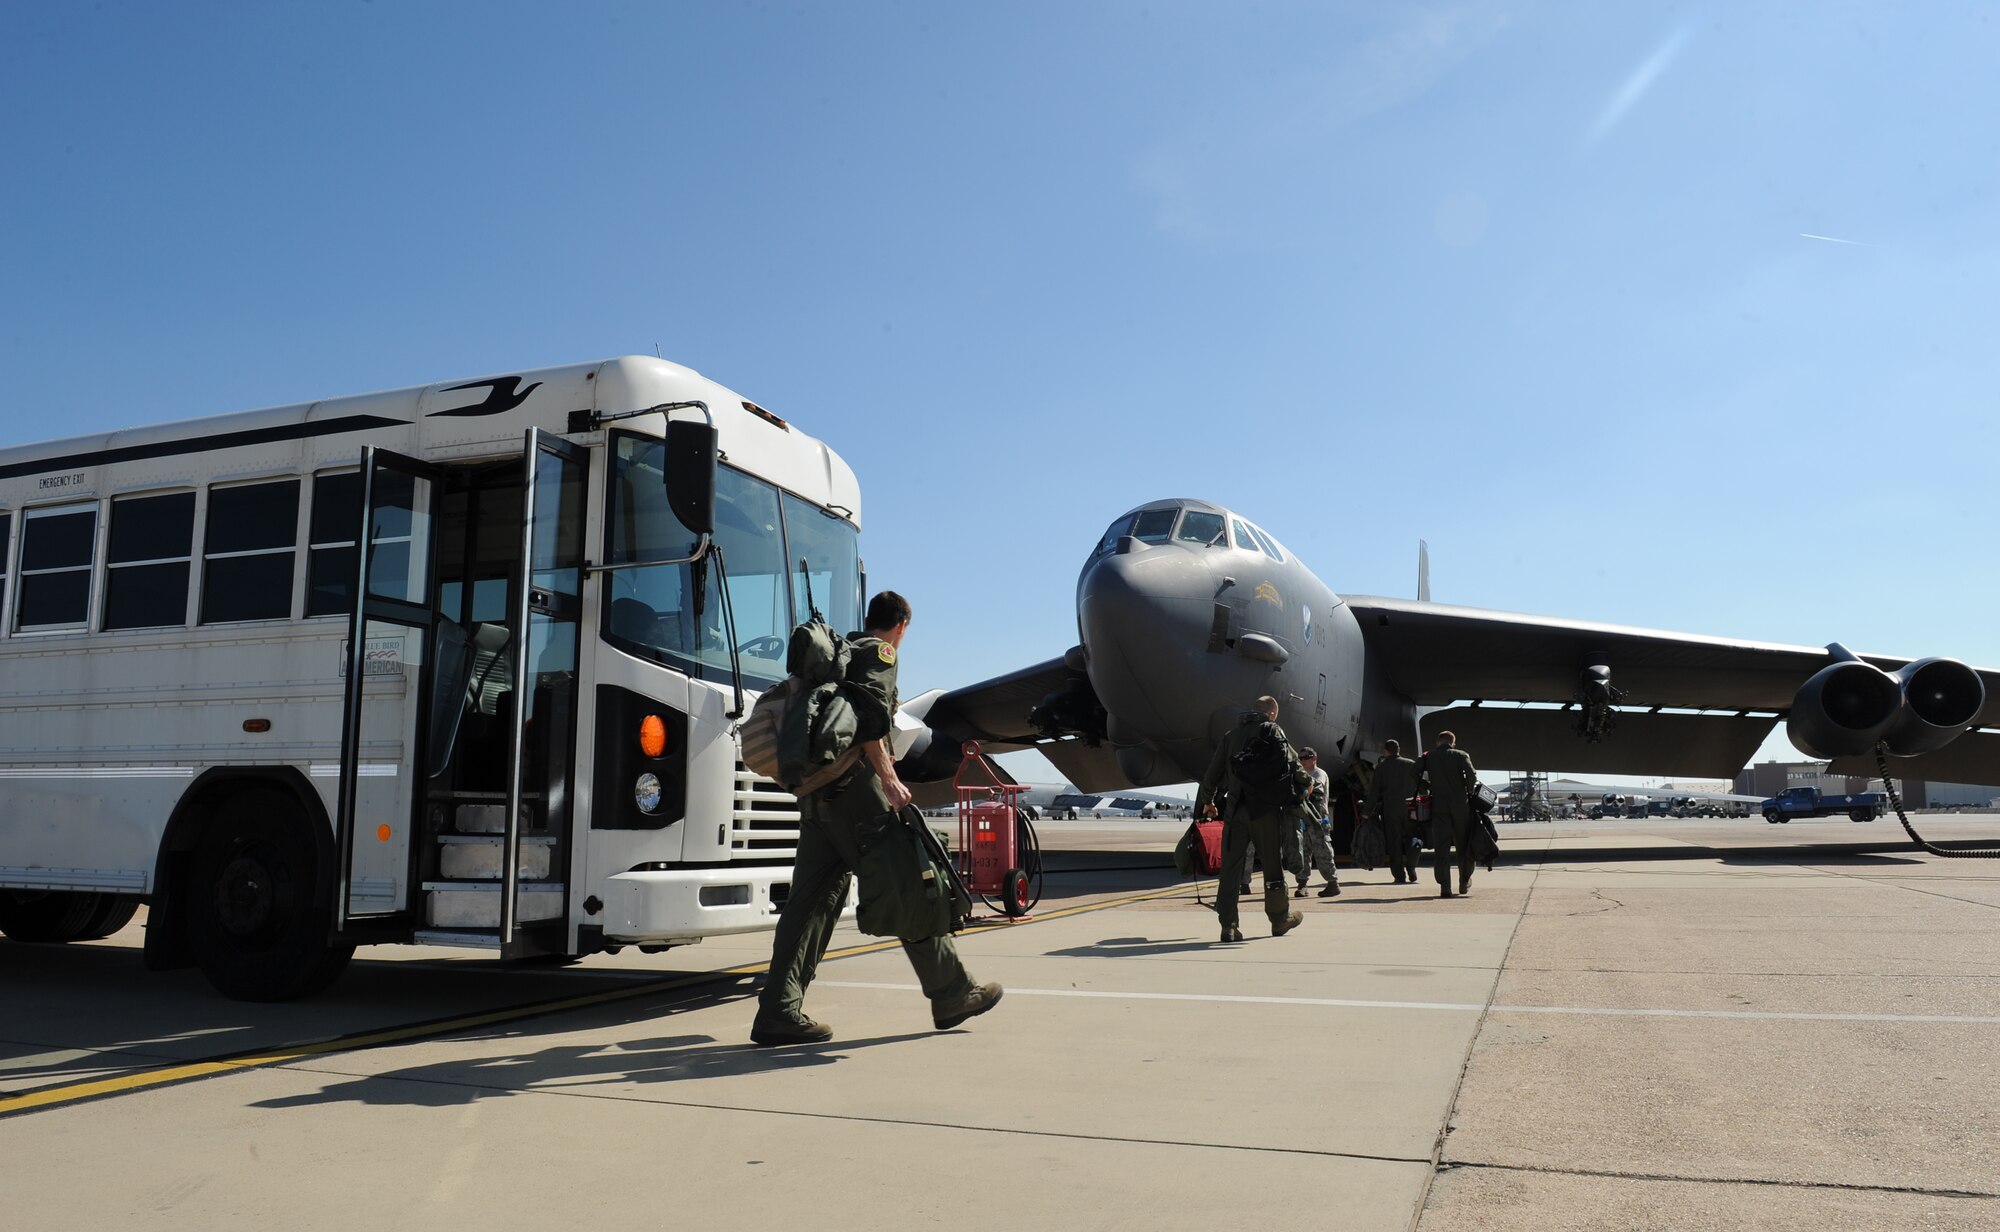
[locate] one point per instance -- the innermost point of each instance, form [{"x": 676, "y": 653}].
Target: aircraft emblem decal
[
  {"x": 1269, "y": 594},
  {"x": 500, "y": 397}
]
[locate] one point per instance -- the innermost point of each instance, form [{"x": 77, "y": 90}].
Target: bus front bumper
[{"x": 687, "y": 904}]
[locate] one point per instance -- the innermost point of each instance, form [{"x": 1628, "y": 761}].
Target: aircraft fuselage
[{"x": 1192, "y": 604}]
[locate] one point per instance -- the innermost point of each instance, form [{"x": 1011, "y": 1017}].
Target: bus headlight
[{"x": 646, "y": 793}]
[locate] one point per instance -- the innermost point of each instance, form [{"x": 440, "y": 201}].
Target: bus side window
[
  {"x": 146, "y": 561},
  {"x": 248, "y": 552},
  {"x": 57, "y": 547},
  {"x": 336, "y": 519}
]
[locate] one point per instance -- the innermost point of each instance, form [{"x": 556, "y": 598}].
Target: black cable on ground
[
  {"x": 1031, "y": 864},
  {"x": 1895, "y": 799}
]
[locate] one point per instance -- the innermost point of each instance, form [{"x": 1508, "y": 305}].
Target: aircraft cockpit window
[
  {"x": 1154, "y": 525},
  {"x": 1269, "y": 545},
  {"x": 1203, "y": 528},
  {"x": 1119, "y": 529},
  {"x": 1244, "y": 539}
]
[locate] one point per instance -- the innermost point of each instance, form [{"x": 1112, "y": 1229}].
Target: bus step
[
  {"x": 476, "y": 904},
  {"x": 468, "y": 857},
  {"x": 484, "y": 817},
  {"x": 489, "y": 940}
]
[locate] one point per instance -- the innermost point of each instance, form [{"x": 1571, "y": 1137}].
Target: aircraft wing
[
  {"x": 1437, "y": 654},
  {"x": 1714, "y": 746},
  {"x": 995, "y": 712},
  {"x": 1090, "y": 769}
]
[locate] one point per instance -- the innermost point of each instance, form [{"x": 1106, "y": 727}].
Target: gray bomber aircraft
[{"x": 1186, "y": 611}]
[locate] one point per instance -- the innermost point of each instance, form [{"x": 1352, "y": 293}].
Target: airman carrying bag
[
  {"x": 908, "y": 887},
  {"x": 1269, "y": 777}
]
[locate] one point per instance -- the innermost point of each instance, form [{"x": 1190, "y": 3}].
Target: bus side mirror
[{"x": 690, "y": 474}]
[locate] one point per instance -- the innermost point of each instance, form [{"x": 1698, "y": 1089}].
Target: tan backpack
[{"x": 760, "y": 738}]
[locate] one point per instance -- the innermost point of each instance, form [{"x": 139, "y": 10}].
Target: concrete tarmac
[{"x": 1630, "y": 1024}]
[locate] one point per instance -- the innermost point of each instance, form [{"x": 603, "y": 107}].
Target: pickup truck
[{"x": 1808, "y": 802}]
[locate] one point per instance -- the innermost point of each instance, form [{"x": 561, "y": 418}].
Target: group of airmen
[
  {"x": 831, "y": 818},
  {"x": 1267, "y": 832}
]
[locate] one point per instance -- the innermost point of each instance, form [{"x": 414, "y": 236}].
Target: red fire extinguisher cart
[{"x": 998, "y": 853}]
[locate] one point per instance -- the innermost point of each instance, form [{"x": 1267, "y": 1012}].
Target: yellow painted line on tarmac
[{"x": 43, "y": 1098}]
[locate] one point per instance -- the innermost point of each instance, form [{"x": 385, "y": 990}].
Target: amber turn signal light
[{"x": 653, "y": 735}]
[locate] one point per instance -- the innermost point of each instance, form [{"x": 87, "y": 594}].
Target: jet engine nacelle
[
  {"x": 1846, "y": 709},
  {"x": 1941, "y": 698}
]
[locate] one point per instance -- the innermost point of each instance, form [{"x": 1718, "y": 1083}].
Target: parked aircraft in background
[
  {"x": 1187, "y": 610},
  {"x": 1063, "y": 802},
  {"x": 1609, "y": 800},
  {"x": 1067, "y": 803}
]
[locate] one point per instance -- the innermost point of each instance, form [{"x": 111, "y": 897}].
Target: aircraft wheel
[
  {"x": 47, "y": 915},
  {"x": 1014, "y": 892},
  {"x": 256, "y": 914}
]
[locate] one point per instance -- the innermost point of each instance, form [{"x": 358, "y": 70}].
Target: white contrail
[
  {"x": 1831, "y": 239},
  {"x": 1636, "y": 85}
]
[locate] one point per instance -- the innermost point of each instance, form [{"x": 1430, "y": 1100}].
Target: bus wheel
[
  {"x": 254, "y": 911},
  {"x": 46, "y": 915}
]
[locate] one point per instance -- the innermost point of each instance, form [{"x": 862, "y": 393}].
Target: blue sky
[{"x": 1531, "y": 281}]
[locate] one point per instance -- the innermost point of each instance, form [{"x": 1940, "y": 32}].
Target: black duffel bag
[{"x": 909, "y": 888}]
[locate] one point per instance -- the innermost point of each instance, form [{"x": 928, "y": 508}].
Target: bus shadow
[{"x": 82, "y": 1010}]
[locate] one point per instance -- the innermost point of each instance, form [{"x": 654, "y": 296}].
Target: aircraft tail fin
[{"x": 1423, "y": 572}]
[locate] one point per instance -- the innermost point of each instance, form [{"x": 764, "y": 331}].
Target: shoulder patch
[{"x": 886, "y": 652}]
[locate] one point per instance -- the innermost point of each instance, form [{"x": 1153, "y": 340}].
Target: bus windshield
[{"x": 762, "y": 534}]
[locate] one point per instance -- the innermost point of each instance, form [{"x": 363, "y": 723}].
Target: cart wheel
[{"x": 1014, "y": 892}]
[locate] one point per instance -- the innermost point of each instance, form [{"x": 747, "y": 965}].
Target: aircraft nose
[{"x": 1144, "y": 615}]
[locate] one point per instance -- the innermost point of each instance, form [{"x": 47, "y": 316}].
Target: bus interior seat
[
  {"x": 637, "y": 621},
  {"x": 492, "y": 673},
  {"x": 485, "y": 702},
  {"x": 634, "y": 620}
]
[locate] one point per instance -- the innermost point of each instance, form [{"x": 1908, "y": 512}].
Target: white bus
[{"x": 524, "y": 737}]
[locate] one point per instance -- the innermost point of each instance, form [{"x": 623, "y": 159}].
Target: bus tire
[
  {"x": 258, "y": 904},
  {"x": 113, "y": 913},
  {"x": 46, "y": 915}
]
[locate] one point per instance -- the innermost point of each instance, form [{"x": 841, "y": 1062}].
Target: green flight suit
[
  {"x": 824, "y": 867},
  {"x": 1247, "y": 822},
  {"x": 1394, "y": 782},
  {"x": 1453, "y": 782}
]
